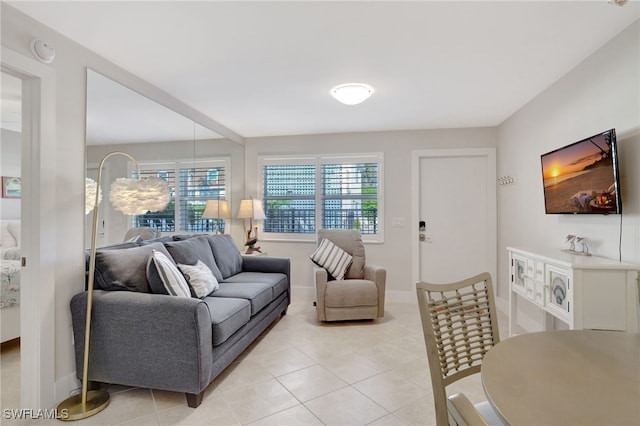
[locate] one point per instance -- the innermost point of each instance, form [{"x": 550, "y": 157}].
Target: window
[
  {"x": 302, "y": 195},
  {"x": 191, "y": 185}
]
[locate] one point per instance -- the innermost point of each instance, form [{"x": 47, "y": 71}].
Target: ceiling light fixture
[
  {"x": 352, "y": 93},
  {"x": 619, "y": 2}
]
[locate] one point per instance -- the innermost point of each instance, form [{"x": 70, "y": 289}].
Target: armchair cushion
[{"x": 332, "y": 258}]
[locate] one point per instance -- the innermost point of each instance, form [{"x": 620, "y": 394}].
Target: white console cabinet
[{"x": 585, "y": 292}]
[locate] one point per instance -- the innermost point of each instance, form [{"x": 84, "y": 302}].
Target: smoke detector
[{"x": 42, "y": 51}]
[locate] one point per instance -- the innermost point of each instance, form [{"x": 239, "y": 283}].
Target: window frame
[
  {"x": 318, "y": 160},
  {"x": 177, "y": 166}
]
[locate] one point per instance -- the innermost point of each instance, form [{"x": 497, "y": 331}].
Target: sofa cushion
[
  {"x": 125, "y": 269},
  {"x": 200, "y": 278},
  {"x": 258, "y": 294},
  {"x": 189, "y": 251},
  {"x": 227, "y": 316},
  {"x": 277, "y": 281},
  {"x": 332, "y": 258},
  {"x": 227, "y": 255},
  {"x": 173, "y": 282}
]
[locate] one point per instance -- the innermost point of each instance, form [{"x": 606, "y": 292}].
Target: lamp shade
[
  {"x": 251, "y": 209},
  {"x": 90, "y": 188},
  {"x": 138, "y": 196},
  {"x": 216, "y": 209}
]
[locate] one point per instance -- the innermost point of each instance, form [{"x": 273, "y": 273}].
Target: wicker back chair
[{"x": 460, "y": 325}]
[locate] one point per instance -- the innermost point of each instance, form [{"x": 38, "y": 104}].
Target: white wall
[
  {"x": 394, "y": 253},
  {"x": 600, "y": 93},
  {"x": 10, "y": 164}
]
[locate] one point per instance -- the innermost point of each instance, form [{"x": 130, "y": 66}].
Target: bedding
[
  {"x": 10, "y": 261},
  {"x": 9, "y": 283}
]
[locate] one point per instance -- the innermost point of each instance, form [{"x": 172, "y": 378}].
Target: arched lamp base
[{"x": 72, "y": 408}]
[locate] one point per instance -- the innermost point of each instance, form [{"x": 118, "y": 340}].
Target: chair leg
[{"x": 194, "y": 399}]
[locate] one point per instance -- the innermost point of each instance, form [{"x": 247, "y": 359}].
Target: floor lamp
[{"x": 129, "y": 196}]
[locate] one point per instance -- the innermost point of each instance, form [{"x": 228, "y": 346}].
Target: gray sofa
[{"x": 145, "y": 339}]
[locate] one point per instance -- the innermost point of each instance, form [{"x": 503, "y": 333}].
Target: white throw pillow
[
  {"x": 332, "y": 258},
  {"x": 6, "y": 239},
  {"x": 172, "y": 279},
  {"x": 200, "y": 278},
  {"x": 14, "y": 230}
]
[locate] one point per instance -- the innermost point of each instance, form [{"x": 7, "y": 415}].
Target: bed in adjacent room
[{"x": 10, "y": 264}]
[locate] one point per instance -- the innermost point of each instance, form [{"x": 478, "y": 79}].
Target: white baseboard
[{"x": 67, "y": 386}]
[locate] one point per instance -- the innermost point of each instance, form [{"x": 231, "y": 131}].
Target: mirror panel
[{"x": 121, "y": 119}]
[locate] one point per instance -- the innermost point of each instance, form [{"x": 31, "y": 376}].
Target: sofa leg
[
  {"x": 284, "y": 312},
  {"x": 194, "y": 399}
]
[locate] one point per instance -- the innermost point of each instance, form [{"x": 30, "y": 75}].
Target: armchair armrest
[
  {"x": 378, "y": 275},
  {"x": 143, "y": 339},
  {"x": 320, "y": 278}
]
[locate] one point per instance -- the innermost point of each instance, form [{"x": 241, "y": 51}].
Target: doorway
[
  {"x": 37, "y": 312},
  {"x": 454, "y": 214}
]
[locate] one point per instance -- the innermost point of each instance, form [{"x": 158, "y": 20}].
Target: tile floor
[{"x": 299, "y": 372}]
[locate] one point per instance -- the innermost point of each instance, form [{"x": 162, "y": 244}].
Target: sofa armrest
[
  {"x": 378, "y": 275},
  {"x": 320, "y": 276},
  {"x": 266, "y": 264},
  {"x": 146, "y": 340}
]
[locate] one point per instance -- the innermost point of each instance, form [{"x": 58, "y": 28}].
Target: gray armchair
[{"x": 360, "y": 295}]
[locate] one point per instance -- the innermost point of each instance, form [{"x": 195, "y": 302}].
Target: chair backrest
[
  {"x": 349, "y": 240},
  {"x": 460, "y": 325},
  {"x": 144, "y": 232}
]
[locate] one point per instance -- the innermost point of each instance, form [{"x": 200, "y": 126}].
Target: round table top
[{"x": 573, "y": 377}]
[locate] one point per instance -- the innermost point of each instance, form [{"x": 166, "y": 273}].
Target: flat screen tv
[{"x": 582, "y": 178}]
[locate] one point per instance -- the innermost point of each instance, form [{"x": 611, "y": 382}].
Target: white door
[{"x": 456, "y": 200}]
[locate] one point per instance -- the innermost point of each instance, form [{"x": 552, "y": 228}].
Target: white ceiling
[{"x": 265, "y": 68}]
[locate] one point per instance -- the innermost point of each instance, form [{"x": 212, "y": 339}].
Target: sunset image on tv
[{"x": 582, "y": 177}]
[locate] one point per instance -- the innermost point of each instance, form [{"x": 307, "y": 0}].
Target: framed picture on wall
[{"x": 11, "y": 187}]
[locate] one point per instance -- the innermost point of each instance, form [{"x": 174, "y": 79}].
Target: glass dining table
[{"x": 571, "y": 377}]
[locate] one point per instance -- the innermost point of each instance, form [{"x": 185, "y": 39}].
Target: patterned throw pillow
[
  {"x": 174, "y": 282},
  {"x": 332, "y": 258},
  {"x": 200, "y": 278}
]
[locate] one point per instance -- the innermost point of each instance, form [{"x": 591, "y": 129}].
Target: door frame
[
  {"x": 490, "y": 180},
  {"x": 38, "y": 170}
]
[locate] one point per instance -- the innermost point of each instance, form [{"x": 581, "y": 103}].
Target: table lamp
[
  {"x": 251, "y": 209},
  {"x": 217, "y": 209}
]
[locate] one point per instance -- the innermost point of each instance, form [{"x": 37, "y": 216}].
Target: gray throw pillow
[
  {"x": 125, "y": 269},
  {"x": 188, "y": 252}
]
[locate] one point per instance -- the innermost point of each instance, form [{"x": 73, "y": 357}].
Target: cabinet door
[
  {"x": 559, "y": 291},
  {"x": 518, "y": 272}
]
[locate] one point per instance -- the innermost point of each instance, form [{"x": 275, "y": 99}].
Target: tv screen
[{"x": 582, "y": 178}]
